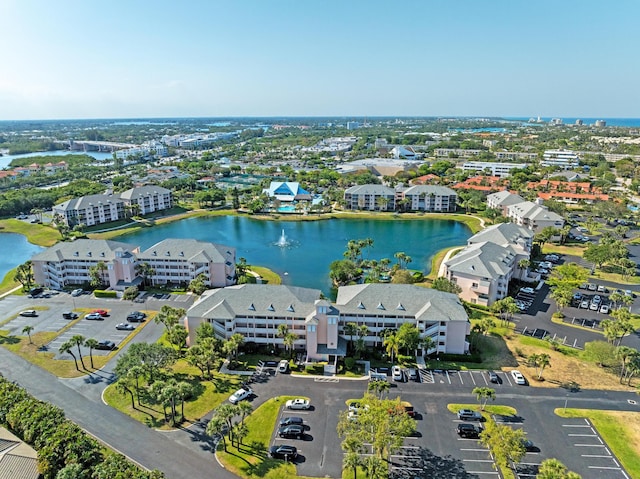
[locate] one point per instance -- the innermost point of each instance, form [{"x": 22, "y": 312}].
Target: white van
[{"x": 283, "y": 366}]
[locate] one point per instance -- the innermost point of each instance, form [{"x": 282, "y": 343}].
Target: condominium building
[
  {"x": 534, "y": 216},
  {"x": 494, "y": 168},
  {"x": 492, "y": 257},
  {"x": 456, "y": 153},
  {"x": 370, "y": 197},
  {"x": 97, "y": 209},
  {"x": 91, "y": 210},
  {"x": 256, "y": 311},
  {"x": 429, "y": 198},
  {"x": 501, "y": 200},
  {"x": 565, "y": 159},
  {"x": 147, "y": 199},
  {"x": 515, "y": 156},
  {"x": 179, "y": 261},
  {"x": 69, "y": 263},
  {"x": 174, "y": 261}
]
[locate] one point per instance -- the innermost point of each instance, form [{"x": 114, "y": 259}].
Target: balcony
[{"x": 481, "y": 287}]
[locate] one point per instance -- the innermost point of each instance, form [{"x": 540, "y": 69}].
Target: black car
[
  {"x": 283, "y": 451},
  {"x": 106, "y": 345},
  {"x": 287, "y": 421},
  {"x": 493, "y": 377},
  {"x": 136, "y": 317},
  {"x": 292, "y": 430},
  {"x": 70, "y": 315},
  {"x": 468, "y": 430},
  {"x": 529, "y": 446}
]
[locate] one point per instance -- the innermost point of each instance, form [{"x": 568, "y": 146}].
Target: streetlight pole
[{"x": 565, "y": 403}]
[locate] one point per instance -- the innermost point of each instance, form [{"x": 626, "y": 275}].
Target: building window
[
  {"x": 333, "y": 320},
  {"x": 312, "y": 328}
]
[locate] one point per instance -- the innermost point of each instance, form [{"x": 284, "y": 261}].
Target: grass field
[{"x": 41, "y": 235}]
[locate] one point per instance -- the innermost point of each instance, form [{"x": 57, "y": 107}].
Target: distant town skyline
[{"x": 71, "y": 59}]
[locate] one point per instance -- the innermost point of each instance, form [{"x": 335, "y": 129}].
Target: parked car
[
  {"x": 239, "y": 395},
  {"x": 94, "y": 317},
  {"x": 291, "y": 420},
  {"x": 397, "y": 374},
  {"x": 584, "y": 286},
  {"x": 412, "y": 374},
  {"x": 604, "y": 309},
  {"x": 291, "y": 430},
  {"x": 106, "y": 344},
  {"x": 29, "y": 313},
  {"x": 283, "y": 366},
  {"x": 591, "y": 287},
  {"x": 594, "y": 306},
  {"x": 493, "y": 377},
  {"x": 136, "y": 317},
  {"x": 69, "y": 315},
  {"x": 298, "y": 403},
  {"x": 597, "y": 299},
  {"x": 528, "y": 445},
  {"x": 546, "y": 265},
  {"x": 34, "y": 292},
  {"x": 125, "y": 327},
  {"x": 101, "y": 312},
  {"x": 577, "y": 296},
  {"x": 469, "y": 415},
  {"x": 283, "y": 451},
  {"x": 602, "y": 289},
  {"x": 518, "y": 377},
  {"x": 585, "y": 304},
  {"x": 528, "y": 290},
  {"x": 77, "y": 292},
  {"x": 468, "y": 430}
]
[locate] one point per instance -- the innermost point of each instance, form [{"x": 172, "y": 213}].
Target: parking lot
[{"x": 468, "y": 379}]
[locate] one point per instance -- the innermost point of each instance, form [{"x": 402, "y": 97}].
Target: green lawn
[
  {"x": 251, "y": 459},
  {"x": 615, "y": 428},
  {"x": 8, "y": 283},
  {"x": 41, "y": 235}
]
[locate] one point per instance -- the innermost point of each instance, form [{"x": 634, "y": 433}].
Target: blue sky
[{"x": 157, "y": 58}]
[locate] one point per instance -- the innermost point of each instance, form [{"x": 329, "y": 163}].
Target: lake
[
  {"x": 16, "y": 250},
  {"x": 311, "y": 246}
]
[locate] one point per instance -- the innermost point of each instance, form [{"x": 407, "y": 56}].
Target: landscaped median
[
  {"x": 620, "y": 430},
  {"x": 251, "y": 459}
]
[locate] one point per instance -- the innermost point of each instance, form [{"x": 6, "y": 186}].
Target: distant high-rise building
[
  {"x": 579, "y": 122},
  {"x": 556, "y": 121},
  {"x": 352, "y": 125},
  {"x": 601, "y": 123}
]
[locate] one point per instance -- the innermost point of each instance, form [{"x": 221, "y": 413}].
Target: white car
[
  {"x": 518, "y": 377},
  {"x": 604, "y": 309},
  {"x": 239, "y": 395},
  {"x": 298, "y": 403},
  {"x": 397, "y": 374},
  {"x": 76, "y": 292},
  {"x": 594, "y": 306},
  {"x": 527, "y": 290}
]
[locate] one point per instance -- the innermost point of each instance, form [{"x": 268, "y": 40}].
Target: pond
[
  {"x": 301, "y": 252},
  {"x": 16, "y": 250}
]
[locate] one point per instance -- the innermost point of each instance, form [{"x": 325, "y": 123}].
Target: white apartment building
[
  {"x": 97, "y": 209},
  {"x": 175, "y": 261},
  {"x": 456, "y": 152},
  {"x": 255, "y": 311},
  {"x": 503, "y": 199},
  {"x": 148, "y": 148},
  {"x": 534, "y": 216},
  {"x": 492, "y": 257},
  {"x": 496, "y": 169},
  {"x": 179, "y": 261},
  {"x": 515, "y": 155},
  {"x": 91, "y": 210},
  {"x": 430, "y": 198},
  {"x": 69, "y": 263},
  {"x": 148, "y": 199},
  {"x": 565, "y": 159},
  {"x": 370, "y": 197}
]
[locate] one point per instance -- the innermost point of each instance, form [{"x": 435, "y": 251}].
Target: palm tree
[
  {"x": 227, "y": 412},
  {"x": 122, "y": 386},
  {"x": 392, "y": 344},
  {"x": 289, "y": 341},
  {"x": 27, "y": 330},
  {"x": 483, "y": 394},
  {"x": 428, "y": 343},
  {"x": 244, "y": 408},
  {"x": 240, "y": 431},
  {"x": 78, "y": 340},
  {"x": 350, "y": 329},
  {"x": 217, "y": 426},
  {"x": 67, "y": 347},
  {"x": 624, "y": 353},
  {"x": 352, "y": 460},
  {"x": 542, "y": 362},
  {"x": 184, "y": 391},
  {"x": 91, "y": 344}
]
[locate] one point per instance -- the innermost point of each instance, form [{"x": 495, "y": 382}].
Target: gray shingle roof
[
  {"x": 428, "y": 189},
  {"x": 504, "y": 198},
  {"x": 370, "y": 190},
  {"x": 88, "y": 201},
  {"x": 87, "y": 249},
  {"x": 151, "y": 190},
  {"x": 485, "y": 260},
  {"x": 188, "y": 249},
  {"x": 256, "y": 299},
  {"x": 400, "y": 299},
  {"x": 501, "y": 234},
  {"x": 18, "y": 467}
]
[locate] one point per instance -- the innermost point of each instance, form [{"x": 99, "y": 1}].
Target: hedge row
[
  {"x": 64, "y": 450},
  {"x": 100, "y": 293}
]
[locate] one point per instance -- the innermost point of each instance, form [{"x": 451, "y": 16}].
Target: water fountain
[{"x": 283, "y": 242}]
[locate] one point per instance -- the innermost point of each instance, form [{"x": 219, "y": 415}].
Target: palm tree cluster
[{"x": 228, "y": 420}]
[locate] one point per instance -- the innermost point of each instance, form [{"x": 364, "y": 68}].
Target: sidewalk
[{"x": 10, "y": 292}]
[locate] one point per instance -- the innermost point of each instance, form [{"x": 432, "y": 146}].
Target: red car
[{"x": 101, "y": 312}]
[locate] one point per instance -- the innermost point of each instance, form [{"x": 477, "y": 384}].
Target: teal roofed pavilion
[{"x": 287, "y": 191}]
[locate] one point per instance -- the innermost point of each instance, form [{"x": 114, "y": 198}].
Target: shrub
[
  {"x": 99, "y": 293},
  {"x": 130, "y": 293},
  {"x": 349, "y": 363},
  {"x": 600, "y": 352}
]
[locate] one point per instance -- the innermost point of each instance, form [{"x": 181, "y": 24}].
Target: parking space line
[
  {"x": 448, "y": 377},
  {"x": 596, "y": 455},
  {"x": 605, "y": 467},
  {"x": 473, "y": 379},
  {"x": 477, "y": 460},
  {"x": 483, "y": 472},
  {"x": 589, "y": 445},
  {"x": 582, "y": 435},
  {"x": 574, "y": 425},
  {"x": 508, "y": 380},
  {"x": 460, "y": 377},
  {"x": 474, "y": 450}
]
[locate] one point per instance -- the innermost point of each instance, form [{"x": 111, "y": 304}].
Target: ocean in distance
[{"x": 623, "y": 122}]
